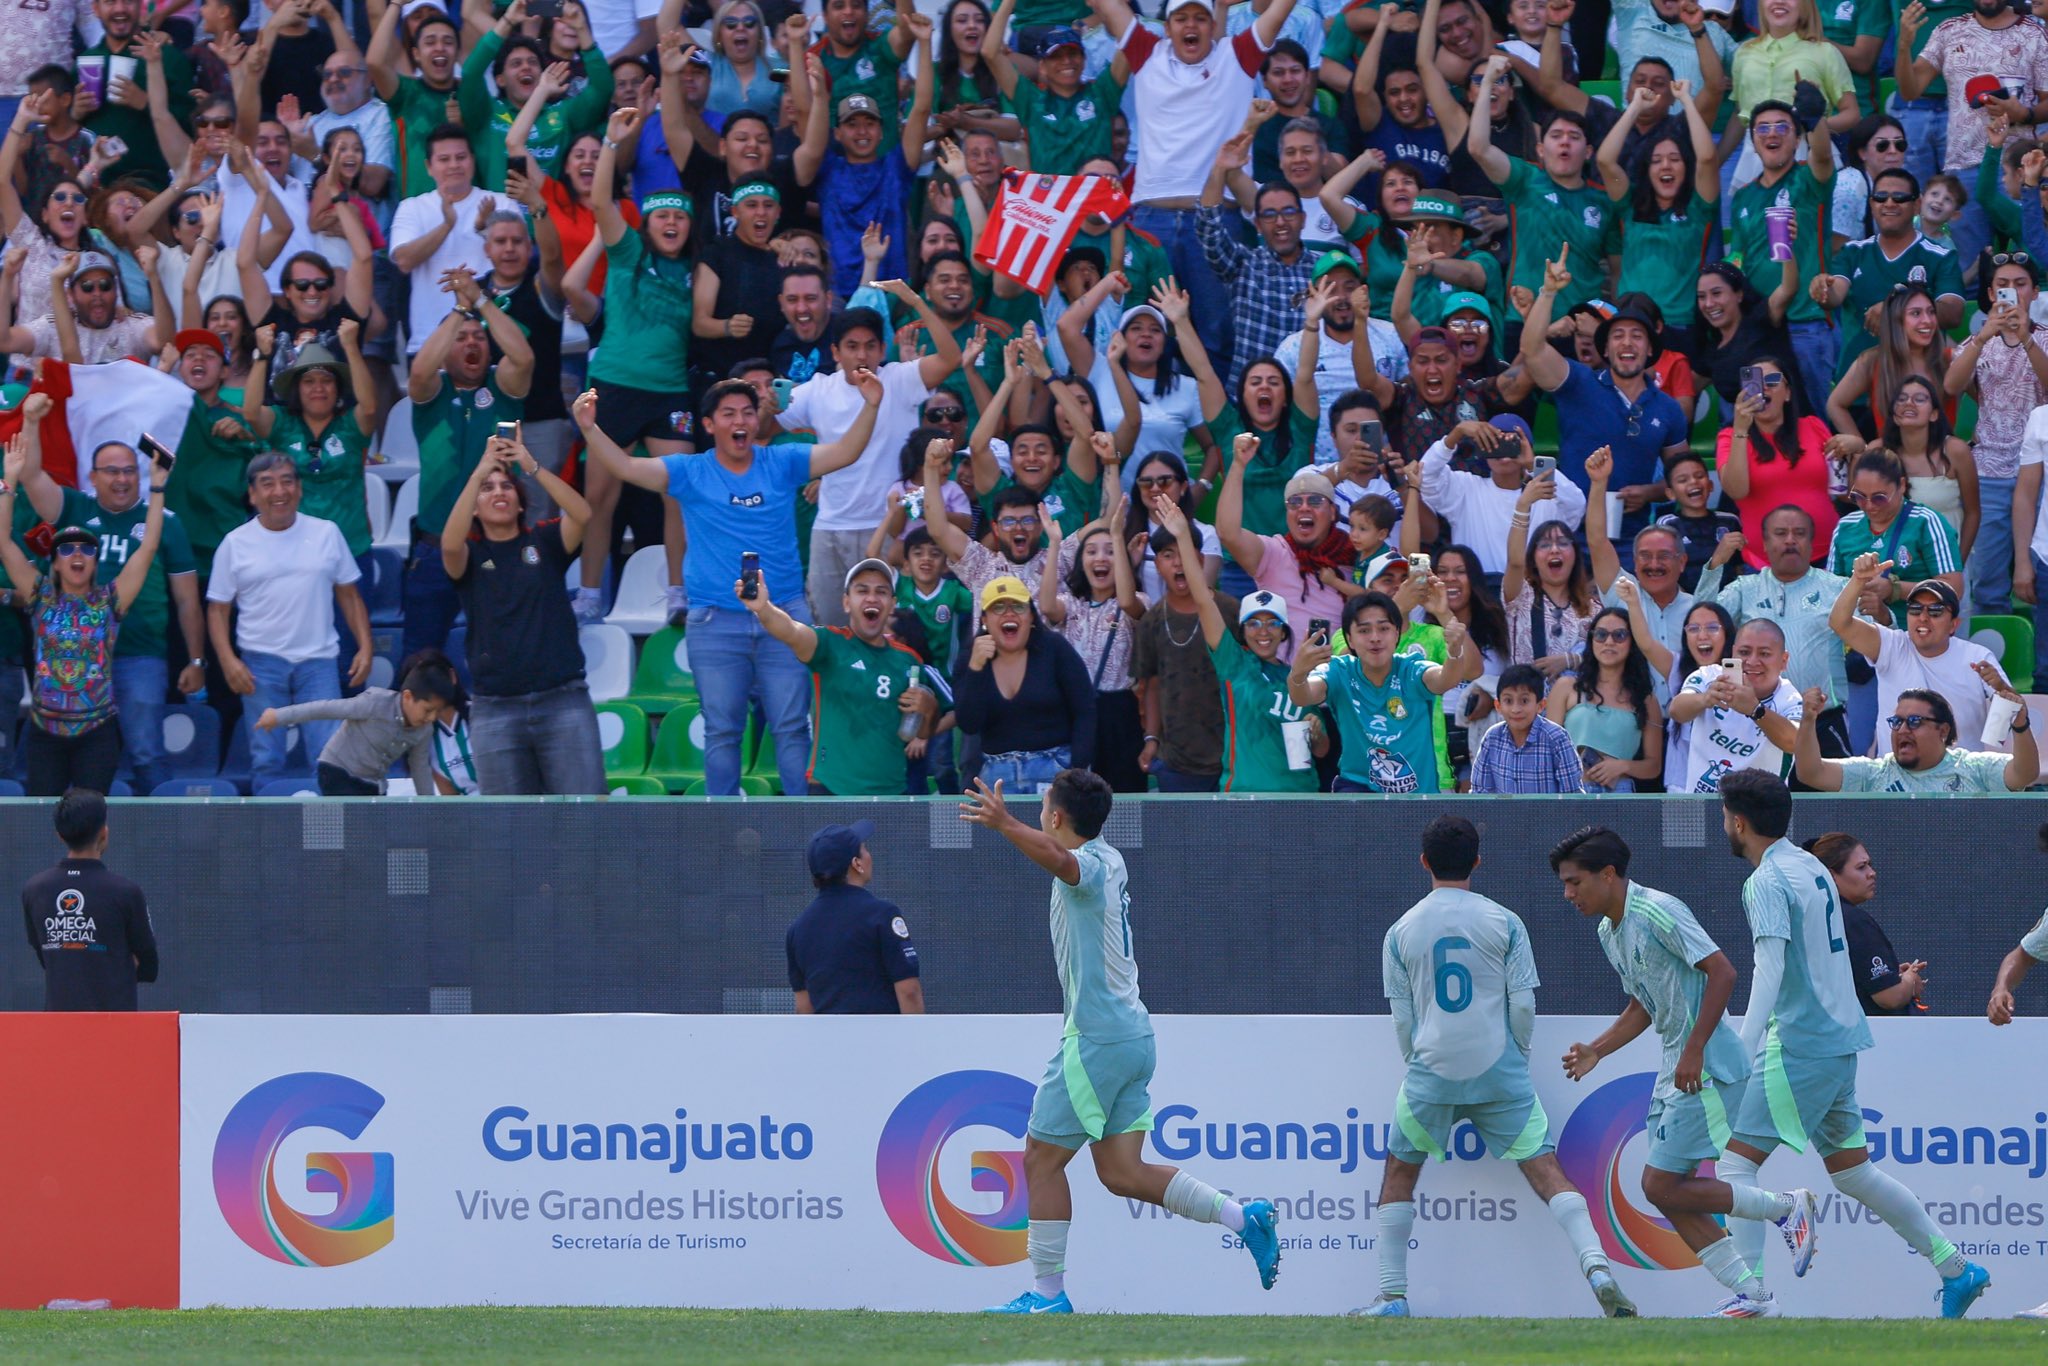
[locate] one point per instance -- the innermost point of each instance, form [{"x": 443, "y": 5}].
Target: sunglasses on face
[
  {"x": 1875, "y": 500},
  {"x": 1271, "y": 215},
  {"x": 1605, "y": 635},
  {"x": 66, "y": 197},
  {"x": 1297, "y": 501},
  {"x": 213, "y": 121},
  {"x": 342, "y": 73},
  {"x": 1926, "y": 609},
  {"x": 1765, "y": 130},
  {"x": 90, "y": 552},
  {"x": 96, "y": 287},
  {"x": 1016, "y": 523},
  {"x": 1771, "y": 381},
  {"x": 190, "y": 216},
  {"x": 1912, "y": 723},
  {"x": 945, "y": 414},
  {"x": 1468, "y": 325},
  {"x": 739, "y": 21},
  {"x": 1157, "y": 481},
  {"x": 1892, "y": 197},
  {"x": 1897, "y": 144},
  {"x": 308, "y": 283}
]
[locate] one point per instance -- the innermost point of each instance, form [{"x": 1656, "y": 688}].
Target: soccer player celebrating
[
  {"x": 1678, "y": 982},
  {"x": 1462, "y": 983},
  {"x": 1806, "y": 1026},
  {"x": 2032, "y": 949},
  {"x": 1095, "y": 1087}
]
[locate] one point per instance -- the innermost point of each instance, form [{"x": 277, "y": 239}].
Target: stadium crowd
[{"x": 1529, "y": 397}]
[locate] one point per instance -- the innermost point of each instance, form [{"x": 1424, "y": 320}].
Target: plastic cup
[{"x": 1778, "y": 228}]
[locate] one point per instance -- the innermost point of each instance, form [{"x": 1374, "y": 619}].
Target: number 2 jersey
[
  {"x": 1454, "y": 958},
  {"x": 1091, "y": 942},
  {"x": 1792, "y": 897}
]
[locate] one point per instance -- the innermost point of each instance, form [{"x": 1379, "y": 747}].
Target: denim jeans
[
  {"x": 2040, "y": 632},
  {"x": 541, "y": 744},
  {"x": 1861, "y": 706},
  {"x": 1173, "y": 780},
  {"x": 430, "y": 602},
  {"x": 732, "y": 657},
  {"x": 936, "y": 766},
  {"x": 1208, "y": 296},
  {"x": 280, "y": 683},
  {"x": 1970, "y": 233},
  {"x": 1025, "y": 772},
  {"x": 1814, "y": 350},
  {"x": 1989, "y": 571},
  {"x": 1925, "y": 122},
  {"x": 139, "y": 687}
]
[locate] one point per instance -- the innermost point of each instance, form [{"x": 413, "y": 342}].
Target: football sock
[
  {"x": 1045, "y": 1243},
  {"x": 1193, "y": 1199},
  {"x": 1726, "y": 1265},
  {"x": 1900, "y": 1208},
  {"x": 1753, "y": 1202},
  {"x": 1747, "y": 1234},
  {"x": 1569, "y": 1209},
  {"x": 1397, "y": 1221}
]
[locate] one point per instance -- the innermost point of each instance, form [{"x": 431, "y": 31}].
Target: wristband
[{"x": 195, "y": 663}]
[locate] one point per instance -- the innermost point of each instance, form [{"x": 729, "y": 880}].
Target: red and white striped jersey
[{"x": 1036, "y": 216}]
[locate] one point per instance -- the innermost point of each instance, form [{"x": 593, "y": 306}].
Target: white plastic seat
[
  {"x": 607, "y": 660},
  {"x": 641, "y": 607},
  {"x": 406, "y": 506}
]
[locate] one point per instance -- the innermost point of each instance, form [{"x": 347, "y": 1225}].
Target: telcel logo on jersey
[
  {"x": 245, "y": 1182},
  {"x": 907, "y": 1167},
  {"x": 1589, "y": 1150}
]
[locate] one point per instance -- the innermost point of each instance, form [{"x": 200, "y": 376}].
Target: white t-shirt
[
  {"x": 1723, "y": 740},
  {"x": 1163, "y": 422},
  {"x": 372, "y": 122},
  {"x": 220, "y": 276},
  {"x": 856, "y": 498},
  {"x": 283, "y": 584},
  {"x": 463, "y": 246},
  {"x": 1186, "y": 112},
  {"x": 2034, "y": 451},
  {"x": 1333, "y": 372},
  {"x": 238, "y": 201},
  {"x": 1482, "y": 510},
  {"x": 1900, "y": 666},
  {"x": 613, "y": 23}
]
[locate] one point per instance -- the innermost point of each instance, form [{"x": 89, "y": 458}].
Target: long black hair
[
  {"x": 1938, "y": 430},
  {"x": 1488, "y": 628},
  {"x": 1642, "y": 197},
  {"x": 1138, "y": 521},
  {"x": 1283, "y": 432},
  {"x": 1635, "y": 669},
  {"x": 1787, "y": 444},
  {"x": 946, "y": 70}
]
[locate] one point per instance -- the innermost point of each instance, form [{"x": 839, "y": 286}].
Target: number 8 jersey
[
  {"x": 1792, "y": 897},
  {"x": 1453, "y": 959}
]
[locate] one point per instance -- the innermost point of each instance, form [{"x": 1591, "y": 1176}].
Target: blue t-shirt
[
  {"x": 1424, "y": 146},
  {"x": 730, "y": 513},
  {"x": 849, "y": 949},
  {"x": 653, "y": 168},
  {"x": 1591, "y": 413},
  {"x": 853, "y": 195}
]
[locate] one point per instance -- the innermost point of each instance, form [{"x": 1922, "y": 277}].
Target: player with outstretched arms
[
  {"x": 1802, "y": 1032},
  {"x": 1095, "y": 1091},
  {"x": 2033, "y": 948},
  {"x": 1678, "y": 982},
  {"x": 1462, "y": 984}
]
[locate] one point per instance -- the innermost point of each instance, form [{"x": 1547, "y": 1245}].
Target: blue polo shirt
[
  {"x": 849, "y": 949},
  {"x": 729, "y": 514},
  {"x": 1591, "y": 413}
]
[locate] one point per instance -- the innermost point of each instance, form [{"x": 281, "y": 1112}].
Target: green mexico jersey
[
  {"x": 989, "y": 367},
  {"x": 855, "y": 688},
  {"x": 1255, "y": 710},
  {"x": 1067, "y": 132},
  {"x": 452, "y": 428},
  {"x": 873, "y": 70},
  {"x": 1070, "y": 499},
  {"x": 647, "y": 303},
  {"x": 1544, "y": 215},
  {"x": 1749, "y": 240},
  {"x": 1428, "y": 304},
  {"x": 1265, "y": 479},
  {"x": 1656, "y": 949},
  {"x": 1665, "y": 256},
  {"x": 940, "y": 614},
  {"x": 417, "y": 109},
  {"x": 145, "y": 628},
  {"x": 331, "y": 468},
  {"x": 210, "y": 489},
  {"x": 1872, "y": 275},
  {"x": 1842, "y": 22}
]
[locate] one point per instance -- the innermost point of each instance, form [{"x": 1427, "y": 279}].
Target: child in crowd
[
  {"x": 1527, "y": 751},
  {"x": 378, "y": 726},
  {"x": 1710, "y": 537}
]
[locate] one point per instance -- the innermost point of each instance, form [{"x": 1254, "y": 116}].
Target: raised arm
[
  {"x": 801, "y": 638},
  {"x": 1613, "y": 176},
  {"x": 984, "y": 807},
  {"x": 1545, "y": 366},
  {"x": 1914, "y": 74},
  {"x": 1860, "y": 635},
  {"x": 1170, "y": 299},
  {"x": 1365, "y": 95},
  {"x": 257, "y": 414},
  {"x": 1706, "y": 174},
  {"x": 810, "y": 153},
  {"x": 1820, "y": 774},
  {"x": 1245, "y": 547},
  {"x": 934, "y": 369},
  {"x": 917, "y": 30},
  {"x": 838, "y": 454},
  {"x": 19, "y": 571},
  {"x": 987, "y": 473},
  {"x": 1606, "y": 563},
  {"x": 604, "y": 206},
  {"x": 1451, "y": 115},
  {"x": 128, "y": 584},
  {"x": 60, "y": 309},
  {"x": 1515, "y": 574},
  {"x": 1302, "y": 690},
  {"x": 1073, "y": 326},
  {"x": 384, "y": 51},
  {"x": 1333, "y": 195},
  {"x": 938, "y": 467},
  {"x": 1479, "y": 139}
]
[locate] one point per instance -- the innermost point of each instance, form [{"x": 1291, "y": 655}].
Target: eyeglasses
[
  {"x": 342, "y": 73},
  {"x": 945, "y": 414},
  {"x": 1892, "y": 197},
  {"x": 1875, "y": 500},
  {"x": 1269, "y": 215},
  {"x": 97, "y": 287},
  {"x": 189, "y": 216},
  {"x": 1771, "y": 381},
  {"x": 1016, "y": 523},
  {"x": 739, "y": 21},
  {"x": 1763, "y": 130},
  {"x": 214, "y": 121},
  {"x": 1897, "y": 144},
  {"x": 90, "y": 552},
  {"x": 1912, "y": 723},
  {"x": 1700, "y": 628},
  {"x": 115, "y": 471},
  {"x": 1306, "y": 500},
  {"x": 1157, "y": 481},
  {"x": 1606, "y": 635},
  {"x": 307, "y": 282},
  {"x": 1468, "y": 325},
  {"x": 66, "y": 197},
  {"x": 1926, "y": 609},
  {"x": 2011, "y": 258}
]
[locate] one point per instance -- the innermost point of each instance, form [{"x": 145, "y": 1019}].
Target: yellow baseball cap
[{"x": 1007, "y": 588}]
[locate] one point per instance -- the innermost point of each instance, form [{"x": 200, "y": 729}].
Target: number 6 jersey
[{"x": 1454, "y": 958}]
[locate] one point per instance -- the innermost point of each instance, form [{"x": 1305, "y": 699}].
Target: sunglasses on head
[
  {"x": 2010, "y": 258},
  {"x": 306, "y": 282},
  {"x": 1912, "y": 723}
]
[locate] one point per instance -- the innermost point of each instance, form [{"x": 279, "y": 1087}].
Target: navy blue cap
[
  {"x": 1053, "y": 39},
  {"x": 834, "y": 848}
]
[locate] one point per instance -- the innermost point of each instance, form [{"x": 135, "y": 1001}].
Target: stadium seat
[
  {"x": 640, "y": 606},
  {"x": 456, "y": 647},
  {"x": 387, "y": 641},
  {"x": 635, "y": 785},
  {"x": 607, "y": 661},
  {"x": 196, "y": 787},
  {"x": 678, "y": 758},
  {"x": 662, "y": 681},
  {"x": 2012, "y": 640},
  {"x": 191, "y": 736},
  {"x": 10, "y": 788},
  {"x": 401, "y": 451},
  {"x": 1609, "y": 91},
  {"x": 377, "y": 497},
  {"x": 383, "y": 585},
  {"x": 398, "y": 531},
  {"x": 622, "y": 733},
  {"x": 750, "y": 786},
  {"x": 298, "y": 788}
]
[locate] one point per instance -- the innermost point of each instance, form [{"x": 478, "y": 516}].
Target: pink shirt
[
  {"x": 1279, "y": 572},
  {"x": 1774, "y": 483}
]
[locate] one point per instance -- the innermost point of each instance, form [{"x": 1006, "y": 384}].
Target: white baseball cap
[{"x": 1261, "y": 603}]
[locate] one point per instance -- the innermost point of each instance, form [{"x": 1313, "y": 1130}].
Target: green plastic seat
[
  {"x": 1608, "y": 90},
  {"x": 622, "y": 731},
  {"x": 635, "y": 785},
  {"x": 678, "y": 758},
  {"x": 2015, "y": 646},
  {"x": 750, "y": 786},
  {"x": 662, "y": 681}
]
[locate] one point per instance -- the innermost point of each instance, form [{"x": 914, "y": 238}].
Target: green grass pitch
[{"x": 701, "y": 1337}]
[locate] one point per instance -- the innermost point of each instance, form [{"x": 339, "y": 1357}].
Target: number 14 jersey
[{"x": 1454, "y": 958}]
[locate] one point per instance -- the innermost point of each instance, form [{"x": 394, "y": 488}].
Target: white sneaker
[
  {"x": 588, "y": 606},
  {"x": 1382, "y": 1307},
  {"x": 1740, "y": 1306},
  {"x": 2039, "y": 1311},
  {"x": 1802, "y": 1230}
]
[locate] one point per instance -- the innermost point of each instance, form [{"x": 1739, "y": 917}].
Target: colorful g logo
[
  {"x": 246, "y": 1186},
  {"x": 907, "y": 1167},
  {"x": 1590, "y": 1153}
]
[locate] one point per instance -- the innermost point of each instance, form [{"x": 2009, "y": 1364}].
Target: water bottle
[{"x": 913, "y": 721}]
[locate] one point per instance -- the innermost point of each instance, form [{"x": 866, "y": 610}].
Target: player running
[
  {"x": 1678, "y": 982},
  {"x": 1802, "y": 1032},
  {"x": 1094, "y": 1090},
  {"x": 1462, "y": 983},
  {"x": 2033, "y": 949}
]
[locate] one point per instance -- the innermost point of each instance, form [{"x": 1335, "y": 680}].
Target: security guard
[
  {"x": 850, "y": 951},
  {"x": 89, "y": 927}
]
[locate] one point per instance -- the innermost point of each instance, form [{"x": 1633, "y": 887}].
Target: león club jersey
[
  {"x": 855, "y": 688},
  {"x": 1657, "y": 948},
  {"x": 1091, "y": 943},
  {"x": 1456, "y": 956},
  {"x": 1791, "y": 896}
]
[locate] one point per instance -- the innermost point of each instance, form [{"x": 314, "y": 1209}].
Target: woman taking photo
[
  {"x": 2004, "y": 366},
  {"x": 1733, "y": 325},
  {"x": 73, "y": 739},
  {"x": 1025, "y": 693},
  {"x": 1941, "y": 470},
  {"x": 330, "y": 446},
  {"x": 1707, "y": 638},
  {"x": 741, "y": 59},
  {"x": 1095, "y": 605},
  {"x": 1384, "y": 703},
  {"x": 1671, "y": 187},
  {"x": 1609, "y": 706},
  {"x": 1547, "y": 588},
  {"x": 532, "y": 729},
  {"x": 1773, "y": 454}
]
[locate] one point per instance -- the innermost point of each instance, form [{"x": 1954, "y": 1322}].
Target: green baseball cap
[
  {"x": 1335, "y": 260},
  {"x": 1465, "y": 300},
  {"x": 1440, "y": 205}
]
